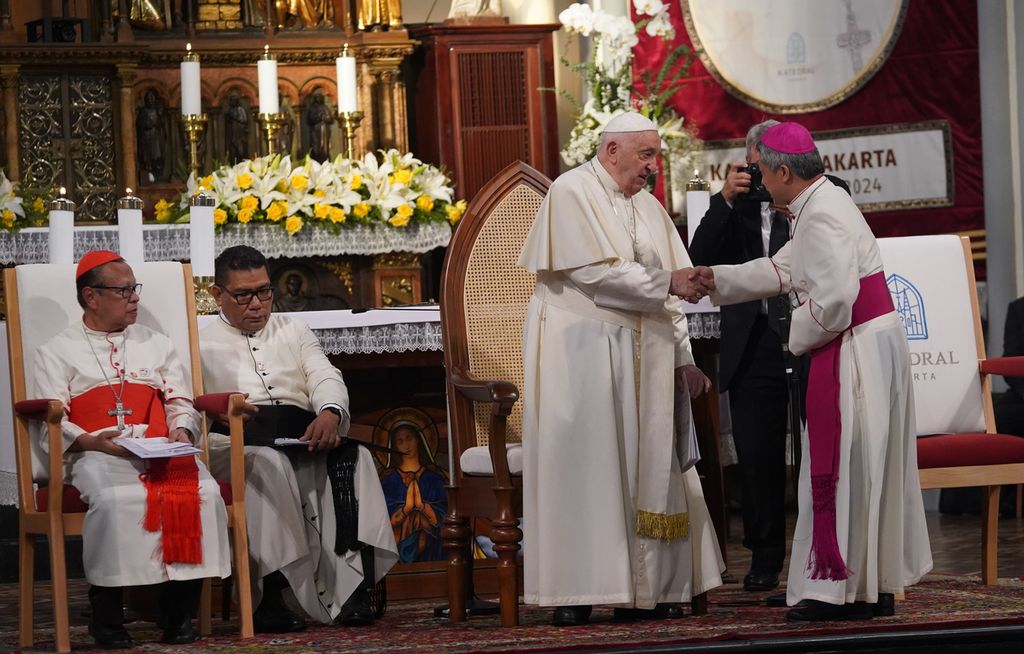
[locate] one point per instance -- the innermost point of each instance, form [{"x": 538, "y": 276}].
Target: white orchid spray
[{"x": 609, "y": 78}]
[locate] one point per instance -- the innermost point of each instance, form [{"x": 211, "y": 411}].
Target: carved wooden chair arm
[{"x": 501, "y": 395}]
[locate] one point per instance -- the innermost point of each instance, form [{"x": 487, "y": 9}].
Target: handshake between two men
[{"x": 691, "y": 284}]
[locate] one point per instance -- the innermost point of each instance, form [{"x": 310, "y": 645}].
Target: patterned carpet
[{"x": 938, "y": 602}]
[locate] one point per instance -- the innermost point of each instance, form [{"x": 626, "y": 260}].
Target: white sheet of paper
[{"x": 156, "y": 448}]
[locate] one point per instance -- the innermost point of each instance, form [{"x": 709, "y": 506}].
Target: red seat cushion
[
  {"x": 225, "y": 491},
  {"x": 72, "y": 500},
  {"x": 955, "y": 450}
]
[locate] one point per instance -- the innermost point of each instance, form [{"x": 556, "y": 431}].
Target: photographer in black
[{"x": 742, "y": 224}]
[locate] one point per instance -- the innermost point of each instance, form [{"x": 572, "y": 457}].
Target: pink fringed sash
[{"x": 824, "y": 427}]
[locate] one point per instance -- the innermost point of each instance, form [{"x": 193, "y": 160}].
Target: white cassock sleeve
[
  {"x": 826, "y": 273},
  {"x": 177, "y": 400},
  {"x": 324, "y": 381},
  {"x": 630, "y": 286},
  {"x": 52, "y": 379},
  {"x": 753, "y": 280}
]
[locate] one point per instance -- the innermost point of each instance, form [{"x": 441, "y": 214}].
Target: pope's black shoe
[
  {"x": 357, "y": 611},
  {"x": 885, "y": 606},
  {"x": 179, "y": 632},
  {"x": 757, "y": 581},
  {"x": 570, "y": 616},
  {"x": 815, "y": 611},
  {"x": 110, "y": 637},
  {"x": 661, "y": 611}
]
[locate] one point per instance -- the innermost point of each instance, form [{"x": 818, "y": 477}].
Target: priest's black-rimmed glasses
[
  {"x": 125, "y": 292},
  {"x": 245, "y": 297}
]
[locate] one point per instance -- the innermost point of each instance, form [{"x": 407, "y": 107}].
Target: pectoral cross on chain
[{"x": 120, "y": 412}]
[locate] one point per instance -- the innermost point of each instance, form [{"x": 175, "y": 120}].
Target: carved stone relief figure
[
  {"x": 378, "y": 14},
  {"x": 286, "y": 134},
  {"x": 236, "y": 129},
  {"x": 469, "y": 8},
  {"x": 319, "y": 117},
  {"x": 149, "y": 136}
]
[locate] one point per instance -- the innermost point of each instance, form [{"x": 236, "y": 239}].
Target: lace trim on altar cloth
[
  {"x": 171, "y": 242},
  {"x": 704, "y": 325},
  {"x": 404, "y": 337},
  {"x": 8, "y": 488}
]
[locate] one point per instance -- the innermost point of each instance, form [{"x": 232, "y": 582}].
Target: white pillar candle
[
  {"x": 200, "y": 234},
  {"x": 129, "y": 229},
  {"x": 191, "y": 97},
  {"x": 61, "y": 237},
  {"x": 348, "y": 98},
  {"x": 698, "y": 201},
  {"x": 266, "y": 70}
]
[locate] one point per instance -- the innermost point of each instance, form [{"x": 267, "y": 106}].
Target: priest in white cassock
[
  {"x": 316, "y": 514},
  {"x": 860, "y": 535},
  {"x": 120, "y": 379},
  {"x": 613, "y": 509}
]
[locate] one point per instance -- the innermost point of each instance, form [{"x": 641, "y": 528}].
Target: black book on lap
[{"x": 271, "y": 422}]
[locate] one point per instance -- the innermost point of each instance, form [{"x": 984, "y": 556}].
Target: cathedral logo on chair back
[{"x": 910, "y": 307}]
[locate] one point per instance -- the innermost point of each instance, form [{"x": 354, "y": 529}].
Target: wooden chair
[
  {"x": 958, "y": 445},
  {"x": 483, "y": 304},
  {"x": 40, "y": 303}
]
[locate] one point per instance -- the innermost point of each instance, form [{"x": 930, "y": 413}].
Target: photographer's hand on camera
[{"x": 737, "y": 181}]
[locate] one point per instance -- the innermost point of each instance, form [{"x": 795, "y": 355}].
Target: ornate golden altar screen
[{"x": 97, "y": 106}]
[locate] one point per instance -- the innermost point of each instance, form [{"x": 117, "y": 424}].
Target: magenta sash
[{"x": 824, "y": 427}]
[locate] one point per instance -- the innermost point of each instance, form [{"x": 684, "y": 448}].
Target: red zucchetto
[{"x": 95, "y": 259}]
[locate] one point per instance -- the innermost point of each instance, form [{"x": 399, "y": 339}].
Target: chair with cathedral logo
[
  {"x": 41, "y": 302},
  {"x": 957, "y": 443}
]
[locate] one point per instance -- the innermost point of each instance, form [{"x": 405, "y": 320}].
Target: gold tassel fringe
[{"x": 662, "y": 526}]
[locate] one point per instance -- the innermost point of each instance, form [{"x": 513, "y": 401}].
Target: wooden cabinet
[{"x": 475, "y": 100}]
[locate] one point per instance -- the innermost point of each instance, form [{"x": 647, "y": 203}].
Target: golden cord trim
[{"x": 662, "y": 526}]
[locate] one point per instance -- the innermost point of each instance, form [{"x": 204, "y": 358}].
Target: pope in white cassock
[
  {"x": 317, "y": 519},
  {"x": 860, "y": 535},
  {"x": 120, "y": 379},
  {"x": 613, "y": 510}
]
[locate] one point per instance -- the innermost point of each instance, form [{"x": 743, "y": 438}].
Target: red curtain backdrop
[{"x": 932, "y": 73}]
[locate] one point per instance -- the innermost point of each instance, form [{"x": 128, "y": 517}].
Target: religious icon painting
[{"x": 413, "y": 481}]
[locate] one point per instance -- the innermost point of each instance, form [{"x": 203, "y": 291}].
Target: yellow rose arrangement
[{"x": 386, "y": 189}]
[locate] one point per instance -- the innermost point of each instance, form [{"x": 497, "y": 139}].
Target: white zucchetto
[{"x": 630, "y": 121}]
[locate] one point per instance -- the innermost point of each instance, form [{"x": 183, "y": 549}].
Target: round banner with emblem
[{"x": 793, "y": 56}]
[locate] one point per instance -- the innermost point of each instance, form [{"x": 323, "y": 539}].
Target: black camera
[{"x": 757, "y": 192}]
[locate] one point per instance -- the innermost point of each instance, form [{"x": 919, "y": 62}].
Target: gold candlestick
[
  {"x": 270, "y": 125},
  {"x": 195, "y": 125},
  {"x": 205, "y": 304},
  {"x": 349, "y": 121},
  {"x": 697, "y": 184}
]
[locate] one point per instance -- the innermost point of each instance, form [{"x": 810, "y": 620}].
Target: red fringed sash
[
  {"x": 824, "y": 427},
  {"x": 172, "y": 484}
]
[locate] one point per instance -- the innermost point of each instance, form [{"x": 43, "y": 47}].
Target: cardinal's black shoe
[{"x": 181, "y": 633}]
